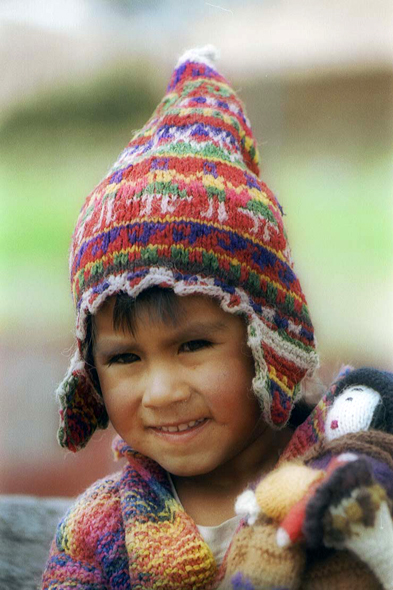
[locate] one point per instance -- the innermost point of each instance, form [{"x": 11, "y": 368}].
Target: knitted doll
[{"x": 336, "y": 496}]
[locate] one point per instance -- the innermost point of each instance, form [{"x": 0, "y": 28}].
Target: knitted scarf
[{"x": 128, "y": 532}]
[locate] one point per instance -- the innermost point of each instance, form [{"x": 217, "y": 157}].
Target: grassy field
[{"x": 43, "y": 182}]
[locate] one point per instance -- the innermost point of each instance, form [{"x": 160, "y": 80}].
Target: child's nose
[{"x": 164, "y": 386}]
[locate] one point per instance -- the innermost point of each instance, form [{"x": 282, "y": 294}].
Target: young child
[{"x": 193, "y": 337}]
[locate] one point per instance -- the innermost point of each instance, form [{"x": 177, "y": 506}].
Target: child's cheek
[{"x": 227, "y": 381}]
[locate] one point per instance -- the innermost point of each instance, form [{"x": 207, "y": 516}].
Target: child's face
[{"x": 179, "y": 394}]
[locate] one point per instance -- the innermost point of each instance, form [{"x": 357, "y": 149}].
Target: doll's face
[
  {"x": 351, "y": 411},
  {"x": 180, "y": 394}
]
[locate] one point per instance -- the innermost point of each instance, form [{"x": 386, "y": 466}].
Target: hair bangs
[{"x": 161, "y": 305}]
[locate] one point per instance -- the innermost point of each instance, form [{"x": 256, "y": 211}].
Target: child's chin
[{"x": 188, "y": 470}]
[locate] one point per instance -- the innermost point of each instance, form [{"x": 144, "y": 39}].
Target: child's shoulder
[{"x": 94, "y": 513}]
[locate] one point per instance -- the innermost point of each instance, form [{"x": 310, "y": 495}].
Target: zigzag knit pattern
[
  {"x": 128, "y": 532},
  {"x": 185, "y": 189},
  {"x": 183, "y": 207}
]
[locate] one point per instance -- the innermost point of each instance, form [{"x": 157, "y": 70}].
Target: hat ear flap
[
  {"x": 82, "y": 409},
  {"x": 283, "y": 384}
]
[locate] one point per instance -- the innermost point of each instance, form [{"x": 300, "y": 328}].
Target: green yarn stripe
[{"x": 210, "y": 265}]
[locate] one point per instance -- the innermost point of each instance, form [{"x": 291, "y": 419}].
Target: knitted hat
[{"x": 183, "y": 208}]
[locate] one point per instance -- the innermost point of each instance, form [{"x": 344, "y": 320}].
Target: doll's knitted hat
[
  {"x": 382, "y": 383},
  {"x": 183, "y": 208},
  {"x": 313, "y": 429}
]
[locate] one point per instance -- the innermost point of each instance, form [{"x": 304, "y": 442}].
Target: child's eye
[
  {"x": 123, "y": 359},
  {"x": 194, "y": 345}
]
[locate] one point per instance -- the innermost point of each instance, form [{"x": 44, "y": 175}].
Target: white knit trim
[
  {"x": 258, "y": 332},
  {"x": 204, "y": 286},
  {"x": 207, "y": 55},
  {"x": 155, "y": 277},
  {"x": 77, "y": 363}
]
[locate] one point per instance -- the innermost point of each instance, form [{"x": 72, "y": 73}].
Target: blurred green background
[{"x": 318, "y": 88}]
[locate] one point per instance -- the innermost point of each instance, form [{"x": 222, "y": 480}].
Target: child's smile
[{"x": 180, "y": 392}]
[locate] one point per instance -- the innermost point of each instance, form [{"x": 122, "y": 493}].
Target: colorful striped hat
[{"x": 184, "y": 208}]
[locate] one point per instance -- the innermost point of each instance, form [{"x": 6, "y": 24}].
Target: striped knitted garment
[
  {"x": 184, "y": 208},
  {"x": 129, "y": 532}
]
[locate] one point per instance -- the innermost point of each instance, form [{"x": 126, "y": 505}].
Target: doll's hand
[
  {"x": 277, "y": 492},
  {"x": 290, "y": 529},
  {"x": 350, "y": 510}
]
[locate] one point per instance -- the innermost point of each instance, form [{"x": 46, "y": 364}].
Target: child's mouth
[{"x": 180, "y": 428}]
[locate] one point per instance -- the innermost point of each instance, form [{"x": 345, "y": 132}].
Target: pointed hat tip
[{"x": 207, "y": 55}]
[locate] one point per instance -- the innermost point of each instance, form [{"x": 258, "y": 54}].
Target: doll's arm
[
  {"x": 291, "y": 527},
  {"x": 278, "y": 492},
  {"x": 254, "y": 561}
]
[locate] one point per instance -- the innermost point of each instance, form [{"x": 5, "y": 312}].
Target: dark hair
[
  {"x": 301, "y": 411},
  {"x": 162, "y": 304}
]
